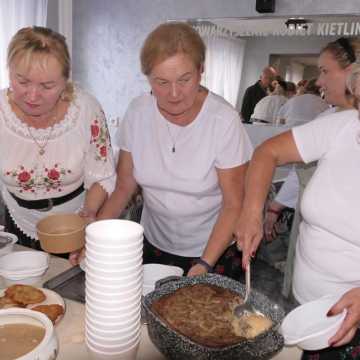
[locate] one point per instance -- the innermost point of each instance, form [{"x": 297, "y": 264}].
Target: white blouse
[{"x": 76, "y": 150}]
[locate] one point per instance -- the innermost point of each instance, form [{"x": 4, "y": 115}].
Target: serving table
[{"x": 70, "y": 330}]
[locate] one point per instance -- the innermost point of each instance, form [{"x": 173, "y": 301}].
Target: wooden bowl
[{"x": 61, "y": 233}]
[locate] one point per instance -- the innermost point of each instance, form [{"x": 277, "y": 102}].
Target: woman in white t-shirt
[
  {"x": 188, "y": 151},
  {"x": 328, "y": 247}
]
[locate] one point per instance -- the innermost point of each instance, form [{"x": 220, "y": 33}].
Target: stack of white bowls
[
  {"x": 26, "y": 267},
  {"x": 114, "y": 279}
]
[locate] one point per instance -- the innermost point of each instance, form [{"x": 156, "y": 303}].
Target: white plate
[{"x": 51, "y": 298}]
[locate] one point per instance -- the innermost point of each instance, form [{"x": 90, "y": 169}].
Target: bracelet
[
  {"x": 277, "y": 212},
  {"x": 205, "y": 264}
]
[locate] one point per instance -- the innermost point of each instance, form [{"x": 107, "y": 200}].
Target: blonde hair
[
  {"x": 345, "y": 51},
  {"x": 38, "y": 43},
  {"x": 169, "y": 39}
]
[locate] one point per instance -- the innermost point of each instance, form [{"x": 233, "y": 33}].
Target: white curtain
[
  {"x": 224, "y": 62},
  {"x": 15, "y": 14}
]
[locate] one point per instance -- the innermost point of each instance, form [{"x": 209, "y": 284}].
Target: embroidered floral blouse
[{"x": 76, "y": 150}]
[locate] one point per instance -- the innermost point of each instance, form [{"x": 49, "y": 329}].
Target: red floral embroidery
[
  {"x": 53, "y": 174},
  {"x": 100, "y": 139},
  {"x": 24, "y": 176},
  {"x": 31, "y": 180},
  {"x": 95, "y": 130},
  {"x": 103, "y": 151}
]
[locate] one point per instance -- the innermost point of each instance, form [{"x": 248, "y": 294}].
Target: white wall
[{"x": 107, "y": 36}]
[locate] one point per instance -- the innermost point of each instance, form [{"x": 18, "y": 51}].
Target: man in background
[{"x": 256, "y": 92}]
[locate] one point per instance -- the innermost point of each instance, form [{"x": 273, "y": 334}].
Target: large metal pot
[{"x": 176, "y": 346}]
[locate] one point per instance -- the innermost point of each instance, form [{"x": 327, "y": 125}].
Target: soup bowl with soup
[{"x": 26, "y": 335}]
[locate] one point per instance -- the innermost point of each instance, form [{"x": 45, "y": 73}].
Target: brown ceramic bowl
[{"x": 61, "y": 233}]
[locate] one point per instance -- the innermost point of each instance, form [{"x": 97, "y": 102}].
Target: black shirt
[{"x": 252, "y": 96}]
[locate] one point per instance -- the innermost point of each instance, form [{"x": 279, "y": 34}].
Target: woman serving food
[{"x": 188, "y": 151}]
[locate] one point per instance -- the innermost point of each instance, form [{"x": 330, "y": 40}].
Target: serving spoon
[{"x": 245, "y": 307}]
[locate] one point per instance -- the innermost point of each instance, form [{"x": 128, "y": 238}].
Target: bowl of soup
[
  {"x": 61, "y": 233},
  {"x": 27, "y": 335}
]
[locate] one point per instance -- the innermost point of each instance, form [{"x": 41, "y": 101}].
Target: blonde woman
[{"x": 54, "y": 144}]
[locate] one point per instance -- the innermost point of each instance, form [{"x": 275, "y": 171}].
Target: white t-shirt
[
  {"x": 302, "y": 108},
  {"x": 289, "y": 191},
  {"x": 77, "y": 150},
  {"x": 328, "y": 248},
  {"x": 182, "y": 196},
  {"x": 268, "y": 107}
]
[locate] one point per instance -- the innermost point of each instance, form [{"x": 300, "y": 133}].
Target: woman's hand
[
  {"x": 351, "y": 302},
  {"x": 248, "y": 232},
  {"x": 76, "y": 256},
  {"x": 197, "y": 269},
  {"x": 88, "y": 215}
]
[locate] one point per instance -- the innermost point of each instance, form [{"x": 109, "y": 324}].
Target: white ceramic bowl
[
  {"x": 115, "y": 287},
  {"x": 124, "y": 299},
  {"x": 113, "y": 348},
  {"x": 114, "y": 265},
  {"x": 112, "y": 326},
  {"x": 96, "y": 354},
  {"x": 23, "y": 264},
  {"x": 113, "y": 232},
  {"x": 119, "y": 332},
  {"x": 8, "y": 247},
  {"x": 112, "y": 340},
  {"x": 116, "y": 281},
  {"x": 155, "y": 272},
  {"x": 308, "y": 327},
  {"x": 48, "y": 347},
  {"x": 118, "y": 314},
  {"x": 114, "y": 256},
  {"x": 110, "y": 307},
  {"x": 32, "y": 280},
  {"x": 113, "y": 271},
  {"x": 99, "y": 247}
]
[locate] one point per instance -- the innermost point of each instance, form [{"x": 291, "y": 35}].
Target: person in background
[
  {"x": 54, "y": 144},
  {"x": 300, "y": 87},
  {"x": 267, "y": 108},
  {"x": 187, "y": 150},
  {"x": 256, "y": 92},
  {"x": 290, "y": 89},
  {"x": 303, "y": 108},
  {"x": 328, "y": 248}
]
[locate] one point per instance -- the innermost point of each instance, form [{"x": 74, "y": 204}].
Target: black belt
[{"x": 47, "y": 204}]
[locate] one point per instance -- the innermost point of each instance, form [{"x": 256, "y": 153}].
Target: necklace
[
  {"x": 173, "y": 139},
  {"x": 40, "y": 146}
]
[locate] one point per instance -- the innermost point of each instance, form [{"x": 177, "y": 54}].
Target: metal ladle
[{"x": 245, "y": 307}]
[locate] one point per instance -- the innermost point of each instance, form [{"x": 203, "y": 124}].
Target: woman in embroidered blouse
[
  {"x": 54, "y": 143},
  {"x": 188, "y": 150}
]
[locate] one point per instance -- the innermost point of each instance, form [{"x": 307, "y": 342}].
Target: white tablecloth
[{"x": 70, "y": 330}]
